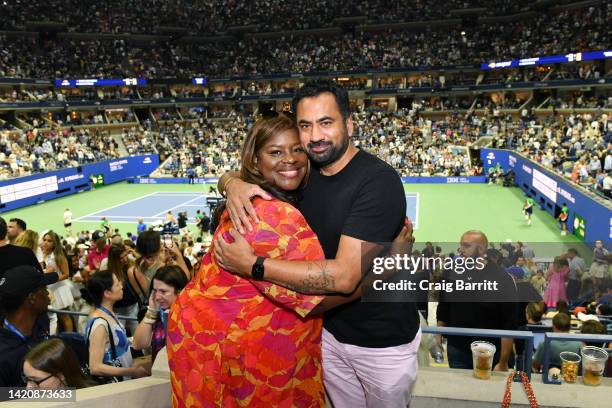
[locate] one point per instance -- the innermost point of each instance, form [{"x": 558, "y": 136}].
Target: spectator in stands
[
  {"x": 168, "y": 282},
  {"x": 29, "y": 239},
  {"x": 12, "y": 255},
  {"x": 593, "y": 327},
  {"x": 561, "y": 324},
  {"x": 24, "y": 300},
  {"x": 106, "y": 360},
  {"x": 481, "y": 314},
  {"x": 539, "y": 282},
  {"x": 556, "y": 277},
  {"x": 577, "y": 267},
  {"x": 141, "y": 227},
  {"x": 534, "y": 312},
  {"x": 153, "y": 256},
  {"x": 53, "y": 365},
  {"x": 600, "y": 268},
  {"x": 134, "y": 284},
  {"x": 53, "y": 260},
  {"x": 15, "y": 227},
  {"x": 97, "y": 254}
]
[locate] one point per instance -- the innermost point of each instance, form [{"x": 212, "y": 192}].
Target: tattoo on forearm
[{"x": 318, "y": 279}]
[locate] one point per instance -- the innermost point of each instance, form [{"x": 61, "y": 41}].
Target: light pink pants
[{"x": 357, "y": 377}]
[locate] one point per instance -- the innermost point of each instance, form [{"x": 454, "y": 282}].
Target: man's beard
[{"x": 332, "y": 154}]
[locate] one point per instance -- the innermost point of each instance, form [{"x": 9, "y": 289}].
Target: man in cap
[
  {"x": 24, "y": 300},
  {"x": 97, "y": 253}
]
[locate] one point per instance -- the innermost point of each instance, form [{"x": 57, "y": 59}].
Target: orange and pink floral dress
[{"x": 234, "y": 342}]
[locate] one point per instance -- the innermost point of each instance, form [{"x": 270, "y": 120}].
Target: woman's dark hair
[
  {"x": 560, "y": 261},
  {"x": 534, "y": 310},
  {"x": 171, "y": 275},
  {"x": 94, "y": 292},
  {"x": 593, "y": 327},
  {"x": 562, "y": 307},
  {"x": 114, "y": 262},
  {"x": 148, "y": 243},
  {"x": 56, "y": 357}
]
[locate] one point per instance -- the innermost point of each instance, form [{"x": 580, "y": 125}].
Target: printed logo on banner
[
  {"x": 117, "y": 165},
  {"x": 147, "y": 160},
  {"x": 526, "y": 169},
  {"x": 566, "y": 194},
  {"x": 457, "y": 180},
  {"x": 70, "y": 178}
]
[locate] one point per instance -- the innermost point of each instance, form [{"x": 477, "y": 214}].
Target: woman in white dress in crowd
[{"x": 53, "y": 259}]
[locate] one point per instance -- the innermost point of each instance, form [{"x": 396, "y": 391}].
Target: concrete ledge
[
  {"x": 435, "y": 388},
  {"x": 150, "y": 392},
  {"x": 444, "y": 387}
]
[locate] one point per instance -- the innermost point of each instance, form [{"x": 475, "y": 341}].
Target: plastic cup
[
  {"x": 482, "y": 359},
  {"x": 594, "y": 361},
  {"x": 570, "y": 363}
]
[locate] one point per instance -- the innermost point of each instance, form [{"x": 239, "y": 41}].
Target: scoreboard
[{"x": 27, "y": 189}]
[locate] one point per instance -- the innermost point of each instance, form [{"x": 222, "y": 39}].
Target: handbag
[
  {"x": 114, "y": 362},
  {"x": 526, "y": 385},
  {"x": 141, "y": 298}
]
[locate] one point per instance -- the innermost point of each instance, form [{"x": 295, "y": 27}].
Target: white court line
[
  {"x": 114, "y": 206},
  {"x": 177, "y": 206},
  {"x": 134, "y": 222},
  {"x": 180, "y": 195}
]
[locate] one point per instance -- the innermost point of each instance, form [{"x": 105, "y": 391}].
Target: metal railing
[
  {"x": 550, "y": 337},
  {"x": 73, "y": 313},
  {"x": 484, "y": 333}
]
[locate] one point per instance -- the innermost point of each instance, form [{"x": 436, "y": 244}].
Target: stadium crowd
[
  {"x": 32, "y": 151},
  {"x": 139, "y": 16},
  {"x": 64, "y": 58}
]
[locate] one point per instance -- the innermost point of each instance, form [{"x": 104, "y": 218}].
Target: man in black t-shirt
[
  {"x": 478, "y": 308},
  {"x": 11, "y": 255},
  {"x": 352, "y": 197}
]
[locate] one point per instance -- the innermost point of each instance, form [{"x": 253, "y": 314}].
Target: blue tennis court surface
[
  {"x": 412, "y": 209},
  {"x": 153, "y": 207}
]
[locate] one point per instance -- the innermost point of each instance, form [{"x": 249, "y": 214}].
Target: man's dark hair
[
  {"x": 12, "y": 302},
  {"x": 562, "y": 306},
  {"x": 573, "y": 251},
  {"x": 316, "y": 88},
  {"x": 22, "y": 224},
  {"x": 561, "y": 321},
  {"x": 3, "y": 228}
]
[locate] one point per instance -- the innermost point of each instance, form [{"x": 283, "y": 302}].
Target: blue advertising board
[
  {"x": 552, "y": 191},
  {"x": 409, "y": 180},
  {"x": 24, "y": 191}
]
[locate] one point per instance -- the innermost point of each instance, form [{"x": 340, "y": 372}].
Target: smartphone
[{"x": 168, "y": 242}]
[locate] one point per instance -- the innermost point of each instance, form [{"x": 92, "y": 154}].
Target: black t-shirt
[
  {"x": 12, "y": 256},
  {"x": 486, "y": 314},
  {"x": 366, "y": 201}
]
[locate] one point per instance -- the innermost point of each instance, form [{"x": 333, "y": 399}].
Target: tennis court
[{"x": 440, "y": 212}]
